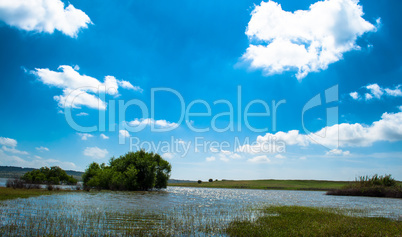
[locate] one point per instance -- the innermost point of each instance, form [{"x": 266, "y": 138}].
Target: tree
[
  {"x": 210, "y": 180},
  {"x": 133, "y": 171},
  {"x": 45, "y": 175},
  {"x": 199, "y": 181}
]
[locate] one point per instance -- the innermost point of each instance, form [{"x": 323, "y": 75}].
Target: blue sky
[{"x": 203, "y": 66}]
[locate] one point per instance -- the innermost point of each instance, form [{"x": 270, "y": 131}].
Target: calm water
[{"x": 172, "y": 209}]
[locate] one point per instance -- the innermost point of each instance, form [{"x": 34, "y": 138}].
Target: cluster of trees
[
  {"x": 45, "y": 175},
  {"x": 133, "y": 171}
]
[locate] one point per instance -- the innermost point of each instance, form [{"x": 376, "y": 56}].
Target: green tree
[
  {"x": 133, "y": 171},
  {"x": 52, "y": 175}
]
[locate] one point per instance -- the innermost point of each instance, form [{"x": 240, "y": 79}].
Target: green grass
[
  {"x": 269, "y": 184},
  {"x": 308, "y": 221},
  {"x": 10, "y": 193}
]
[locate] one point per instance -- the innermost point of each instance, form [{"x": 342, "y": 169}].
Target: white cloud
[
  {"x": 337, "y": 152},
  {"x": 210, "y": 159},
  {"x": 372, "y": 91},
  {"x": 152, "y": 122},
  {"x": 168, "y": 155},
  {"x": 10, "y": 145},
  {"x": 95, "y": 152},
  {"x": 259, "y": 159},
  {"x": 306, "y": 40},
  {"x": 128, "y": 85},
  {"x": 35, "y": 163},
  {"x": 77, "y": 88},
  {"x": 14, "y": 150},
  {"x": 279, "y": 156},
  {"x": 43, "y": 16},
  {"x": 82, "y": 114},
  {"x": 42, "y": 148},
  {"x": 124, "y": 133},
  {"x": 223, "y": 158},
  {"x": 375, "y": 90},
  {"x": 388, "y": 128},
  {"x": 103, "y": 136},
  {"x": 354, "y": 95},
  {"x": 8, "y": 142},
  {"x": 85, "y": 136}
]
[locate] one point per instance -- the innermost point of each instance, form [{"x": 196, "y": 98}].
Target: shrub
[
  {"x": 210, "y": 180},
  {"x": 45, "y": 175},
  {"x": 199, "y": 181}
]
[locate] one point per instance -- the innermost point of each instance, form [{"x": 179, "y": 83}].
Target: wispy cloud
[
  {"x": 95, "y": 152},
  {"x": 85, "y": 136},
  {"x": 42, "y": 148},
  {"x": 374, "y": 91},
  {"x": 9, "y": 145}
]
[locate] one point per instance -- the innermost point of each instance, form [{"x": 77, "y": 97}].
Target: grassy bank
[
  {"x": 10, "y": 193},
  {"x": 269, "y": 184},
  {"x": 308, "y": 221},
  {"x": 375, "y": 186}
]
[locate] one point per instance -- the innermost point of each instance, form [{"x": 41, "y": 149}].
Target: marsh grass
[
  {"x": 11, "y": 193},
  {"x": 309, "y": 221},
  {"x": 319, "y": 185}
]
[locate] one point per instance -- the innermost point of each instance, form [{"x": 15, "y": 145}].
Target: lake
[{"x": 176, "y": 210}]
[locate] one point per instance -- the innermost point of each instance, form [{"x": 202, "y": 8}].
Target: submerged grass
[
  {"x": 10, "y": 193},
  {"x": 319, "y": 185},
  {"x": 309, "y": 221}
]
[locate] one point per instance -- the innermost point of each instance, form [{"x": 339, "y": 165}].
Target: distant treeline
[{"x": 14, "y": 172}]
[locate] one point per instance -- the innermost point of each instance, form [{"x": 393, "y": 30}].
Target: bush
[
  {"x": 53, "y": 175},
  {"x": 133, "y": 171},
  {"x": 199, "y": 181},
  {"x": 210, "y": 180}
]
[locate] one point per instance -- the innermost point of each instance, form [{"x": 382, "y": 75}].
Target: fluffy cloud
[
  {"x": 259, "y": 159},
  {"x": 168, "y": 155},
  {"x": 95, "y": 152},
  {"x": 304, "y": 40},
  {"x": 79, "y": 90},
  {"x": 8, "y": 142},
  {"x": 124, "y": 133},
  {"x": 9, "y": 145},
  {"x": 42, "y": 148},
  {"x": 337, "y": 152},
  {"x": 37, "y": 162},
  {"x": 388, "y": 128},
  {"x": 103, "y": 136},
  {"x": 375, "y": 91},
  {"x": 43, "y": 16},
  {"x": 85, "y": 136}
]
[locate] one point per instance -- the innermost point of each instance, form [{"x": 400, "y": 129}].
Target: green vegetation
[
  {"x": 14, "y": 172},
  {"x": 269, "y": 184},
  {"x": 375, "y": 186},
  {"x": 11, "y": 193},
  {"x": 308, "y": 221},
  {"x": 45, "y": 175},
  {"x": 133, "y": 171}
]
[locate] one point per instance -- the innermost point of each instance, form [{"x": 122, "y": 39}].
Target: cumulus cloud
[
  {"x": 43, "y": 16},
  {"x": 388, "y": 128},
  {"x": 9, "y": 145},
  {"x": 168, "y": 155},
  {"x": 85, "y": 136},
  {"x": 337, "y": 152},
  {"x": 37, "y": 162},
  {"x": 124, "y": 133},
  {"x": 103, "y": 136},
  {"x": 41, "y": 148},
  {"x": 80, "y": 90},
  {"x": 259, "y": 159},
  {"x": 306, "y": 40},
  {"x": 95, "y": 152},
  {"x": 374, "y": 91},
  {"x": 8, "y": 142}
]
